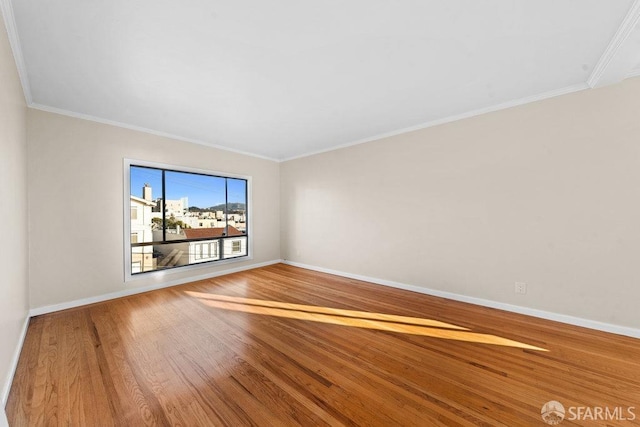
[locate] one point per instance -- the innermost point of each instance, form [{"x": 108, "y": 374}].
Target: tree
[{"x": 172, "y": 222}]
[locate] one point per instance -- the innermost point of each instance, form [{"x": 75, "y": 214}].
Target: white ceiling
[{"x": 285, "y": 78}]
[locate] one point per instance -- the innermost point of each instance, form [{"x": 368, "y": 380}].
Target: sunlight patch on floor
[{"x": 359, "y": 319}]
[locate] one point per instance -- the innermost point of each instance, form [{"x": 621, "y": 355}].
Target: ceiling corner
[{"x": 622, "y": 54}]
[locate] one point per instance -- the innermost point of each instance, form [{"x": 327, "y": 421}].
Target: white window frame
[{"x": 128, "y": 276}]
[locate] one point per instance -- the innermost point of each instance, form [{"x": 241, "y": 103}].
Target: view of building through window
[{"x": 183, "y": 218}]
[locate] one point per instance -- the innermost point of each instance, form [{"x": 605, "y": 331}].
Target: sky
[{"x": 202, "y": 191}]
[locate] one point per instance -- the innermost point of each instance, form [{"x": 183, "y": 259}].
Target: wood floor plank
[
  {"x": 285, "y": 346},
  {"x": 21, "y": 396}
]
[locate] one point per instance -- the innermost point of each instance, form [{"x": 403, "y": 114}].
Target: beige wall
[
  {"x": 13, "y": 199},
  {"x": 76, "y": 204},
  {"x": 547, "y": 194}
]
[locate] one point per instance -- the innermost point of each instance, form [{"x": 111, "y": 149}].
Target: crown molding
[
  {"x": 502, "y": 106},
  {"x": 497, "y": 107},
  {"x": 610, "y": 69},
  {"x": 91, "y": 118},
  {"x": 14, "y": 41}
]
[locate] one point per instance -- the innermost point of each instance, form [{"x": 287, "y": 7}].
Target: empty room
[{"x": 363, "y": 213}]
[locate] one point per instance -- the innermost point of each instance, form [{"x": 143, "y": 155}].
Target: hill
[{"x": 233, "y": 208}]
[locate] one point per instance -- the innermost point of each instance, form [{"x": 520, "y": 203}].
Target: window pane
[
  {"x": 173, "y": 255},
  {"x": 236, "y": 206},
  {"x": 136, "y": 267},
  {"x": 192, "y": 202},
  {"x": 142, "y": 259},
  {"x": 146, "y": 202}
]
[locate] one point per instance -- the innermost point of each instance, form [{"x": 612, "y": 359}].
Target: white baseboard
[
  {"x": 138, "y": 290},
  {"x": 3, "y": 418},
  {"x": 6, "y": 388},
  {"x": 563, "y": 318}
]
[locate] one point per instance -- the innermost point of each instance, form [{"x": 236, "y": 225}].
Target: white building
[
  {"x": 142, "y": 256},
  {"x": 213, "y": 246},
  {"x": 174, "y": 207}
]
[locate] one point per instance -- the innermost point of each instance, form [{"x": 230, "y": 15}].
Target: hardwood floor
[{"x": 285, "y": 346}]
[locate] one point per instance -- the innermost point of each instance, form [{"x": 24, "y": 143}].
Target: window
[
  {"x": 197, "y": 251},
  {"x": 182, "y": 217},
  {"x": 136, "y": 266}
]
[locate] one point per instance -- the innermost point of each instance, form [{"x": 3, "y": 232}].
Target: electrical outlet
[{"x": 521, "y": 288}]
